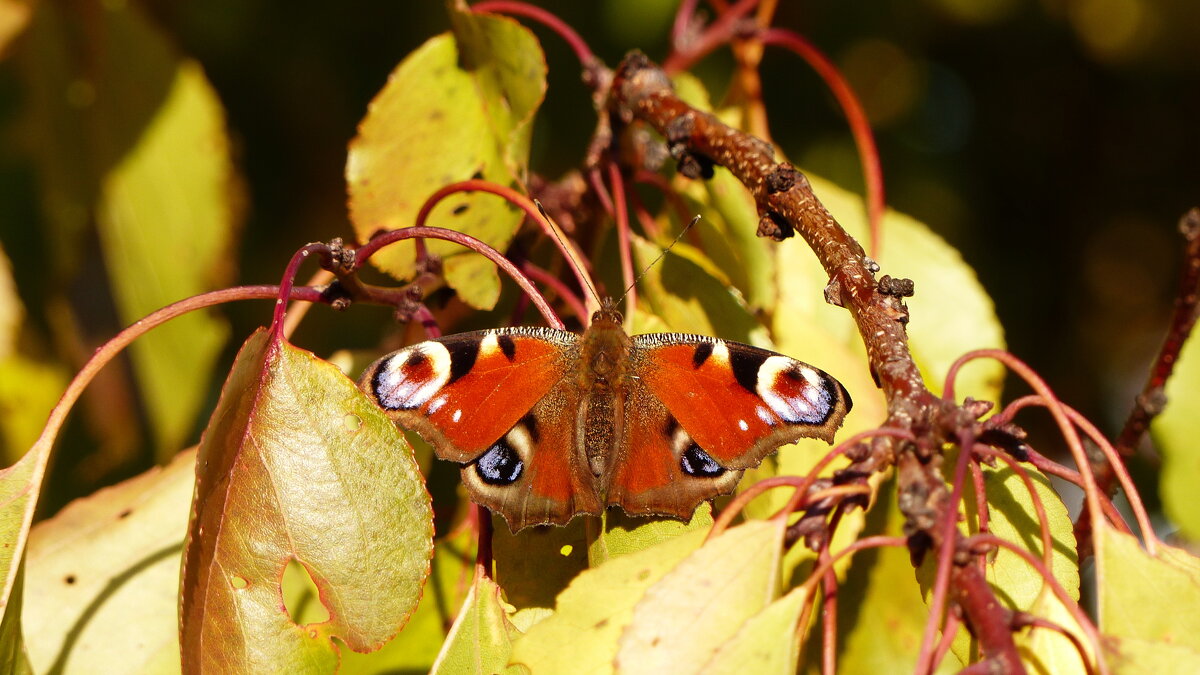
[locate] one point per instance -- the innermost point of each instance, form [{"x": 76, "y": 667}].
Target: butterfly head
[{"x": 608, "y": 313}]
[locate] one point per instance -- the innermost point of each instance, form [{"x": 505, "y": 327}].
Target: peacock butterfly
[{"x": 548, "y": 424}]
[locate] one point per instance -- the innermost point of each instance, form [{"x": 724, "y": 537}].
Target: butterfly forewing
[
  {"x": 738, "y": 403},
  {"x": 464, "y": 392}
]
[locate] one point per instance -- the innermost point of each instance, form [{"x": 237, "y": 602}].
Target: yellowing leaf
[
  {"x": 166, "y": 220},
  {"x": 684, "y": 618},
  {"x": 1012, "y": 517},
  {"x": 103, "y": 576},
  {"x": 883, "y": 595},
  {"x": 950, "y": 312},
  {"x": 1048, "y": 652},
  {"x": 132, "y": 140},
  {"x": 1175, "y": 432},
  {"x": 458, "y": 107},
  {"x": 535, "y": 564},
  {"x": 1131, "y": 656},
  {"x": 1145, "y": 597},
  {"x": 28, "y": 388},
  {"x": 297, "y": 464},
  {"x": 18, "y": 488},
  {"x": 768, "y": 642},
  {"x": 581, "y": 636},
  {"x": 481, "y": 638},
  {"x": 686, "y": 290},
  {"x": 624, "y": 534}
]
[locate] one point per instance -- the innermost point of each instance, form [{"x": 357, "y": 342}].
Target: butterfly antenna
[
  {"x": 571, "y": 254},
  {"x": 661, "y": 255}
]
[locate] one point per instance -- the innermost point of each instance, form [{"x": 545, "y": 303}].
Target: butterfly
[{"x": 549, "y": 424}]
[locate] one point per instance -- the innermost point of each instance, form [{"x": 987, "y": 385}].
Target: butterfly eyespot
[
  {"x": 500, "y": 465},
  {"x": 696, "y": 462}
]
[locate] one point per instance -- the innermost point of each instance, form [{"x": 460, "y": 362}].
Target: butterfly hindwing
[
  {"x": 738, "y": 403},
  {"x": 533, "y": 474},
  {"x": 660, "y": 469}
]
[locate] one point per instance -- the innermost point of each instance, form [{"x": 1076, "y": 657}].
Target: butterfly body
[{"x": 550, "y": 424}]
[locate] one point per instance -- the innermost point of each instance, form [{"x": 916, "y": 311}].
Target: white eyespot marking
[
  {"x": 720, "y": 353},
  {"x": 680, "y": 440},
  {"x": 789, "y": 390},
  {"x": 764, "y": 415},
  {"x": 412, "y": 376},
  {"x": 456, "y": 416},
  {"x": 436, "y": 405},
  {"x": 490, "y": 344},
  {"x": 519, "y": 440},
  {"x": 743, "y": 425}
]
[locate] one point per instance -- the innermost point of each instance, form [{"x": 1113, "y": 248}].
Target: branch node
[
  {"x": 899, "y": 288},
  {"x": 782, "y": 179},
  {"x": 775, "y": 226},
  {"x": 833, "y": 292}
]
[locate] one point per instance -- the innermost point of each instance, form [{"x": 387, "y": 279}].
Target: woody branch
[{"x": 787, "y": 205}]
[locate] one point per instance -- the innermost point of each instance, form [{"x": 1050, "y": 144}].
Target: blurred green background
[{"x": 1053, "y": 142}]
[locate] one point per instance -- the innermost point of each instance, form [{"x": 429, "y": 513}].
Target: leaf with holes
[
  {"x": 104, "y": 573},
  {"x": 296, "y": 464},
  {"x": 461, "y": 106}
]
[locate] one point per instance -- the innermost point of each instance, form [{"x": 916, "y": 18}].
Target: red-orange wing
[
  {"x": 463, "y": 392},
  {"x": 736, "y": 402}
]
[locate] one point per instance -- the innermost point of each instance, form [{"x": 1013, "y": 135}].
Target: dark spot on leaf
[
  {"x": 461, "y": 209},
  {"x": 70, "y": 579},
  {"x": 601, "y": 624},
  {"x": 125, "y": 513}
]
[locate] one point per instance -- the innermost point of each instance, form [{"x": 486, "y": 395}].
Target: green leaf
[
  {"x": 298, "y": 464},
  {"x": 458, "y": 107},
  {"x": 1138, "y": 591},
  {"x": 481, "y": 638},
  {"x": 13, "y": 656},
  {"x": 103, "y": 579},
  {"x": 582, "y": 634},
  {"x": 685, "y": 617},
  {"x": 166, "y": 222},
  {"x": 418, "y": 645},
  {"x": 1175, "y": 433}
]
